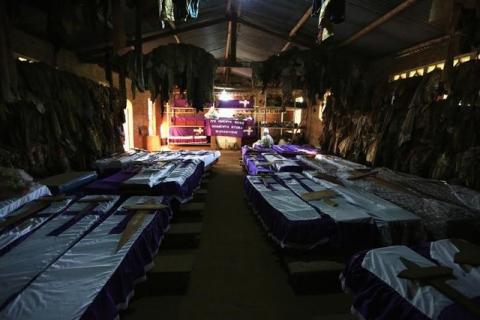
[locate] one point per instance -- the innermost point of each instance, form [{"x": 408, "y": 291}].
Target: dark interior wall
[
  {"x": 406, "y": 127},
  {"x": 61, "y": 121}
]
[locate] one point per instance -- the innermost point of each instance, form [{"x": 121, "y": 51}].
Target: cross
[
  {"x": 140, "y": 212},
  {"x": 198, "y": 131},
  {"x": 31, "y": 209},
  {"x": 437, "y": 277},
  {"x": 245, "y": 103},
  {"x": 248, "y": 131}
]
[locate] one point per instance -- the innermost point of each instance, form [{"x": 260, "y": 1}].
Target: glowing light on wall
[
  {"x": 299, "y": 99},
  {"x": 226, "y": 113},
  {"x": 225, "y": 96}
]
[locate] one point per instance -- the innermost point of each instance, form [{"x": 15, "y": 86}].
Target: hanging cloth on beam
[
  {"x": 166, "y": 10},
  {"x": 192, "y": 8},
  {"x": 329, "y": 12},
  {"x": 8, "y": 66}
]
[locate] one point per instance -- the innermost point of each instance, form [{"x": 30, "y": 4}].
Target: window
[
  {"x": 128, "y": 127},
  {"x": 420, "y": 71}
]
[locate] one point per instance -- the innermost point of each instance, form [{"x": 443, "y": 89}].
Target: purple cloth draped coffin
[
  {"x": 95, "y": 278},
  {"x": 292, "y": 150},
  {"x": 289, "y": 220},
  {"x": 180, "y": 182},
  {"x": 378, "y": 293}
]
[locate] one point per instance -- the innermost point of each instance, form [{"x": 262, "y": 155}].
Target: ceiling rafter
[
  {"x": 378, "y": 22},
  {"x": 297, "y": 27},
  {"x": 285, "y": 37}
]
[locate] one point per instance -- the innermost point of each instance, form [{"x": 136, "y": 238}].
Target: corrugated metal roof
[{"x": 280, "y": 16}]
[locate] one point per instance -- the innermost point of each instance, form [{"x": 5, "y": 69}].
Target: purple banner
[
  {"x": 234, "y": 104},
  {"x": 225, "y": 127}
]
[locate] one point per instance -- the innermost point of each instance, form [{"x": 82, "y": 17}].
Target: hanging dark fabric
[
  {"x": 192, "y": 8},
  {"x": 166, "y": 10},
  {"x": 119, "y": 36},
  {"x": 329, "y": 12},
  {"x": 138, "y": 63},
  {"x": 8, "y": 70},
  {"x": 180, "y": 10}
]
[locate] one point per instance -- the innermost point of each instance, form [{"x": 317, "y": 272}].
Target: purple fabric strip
[
  {"x": 111, "y": 184},
  {"x": 67, "y": 225}
]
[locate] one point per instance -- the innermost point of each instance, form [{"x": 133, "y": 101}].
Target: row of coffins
[
  {"x": 278, "y": 158},
  {"x": 393, "y": 231},
  {"x": 300, "y": 212},
  {"x": 79, "y": 254},
  {"x": 446, "y": 210}
]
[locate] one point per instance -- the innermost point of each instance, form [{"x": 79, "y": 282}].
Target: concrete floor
[{"x": 236, "y": 273}]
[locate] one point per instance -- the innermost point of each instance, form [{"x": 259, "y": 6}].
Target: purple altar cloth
[{"x": 186, "y": 131}]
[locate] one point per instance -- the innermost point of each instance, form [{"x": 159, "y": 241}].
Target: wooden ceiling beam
[
  {"x": 297, "y": 27},
  {"x": 275, "y": 34},
  {"x": 378, "y": 22}
]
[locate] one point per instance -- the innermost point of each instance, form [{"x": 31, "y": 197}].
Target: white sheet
[
  {"x": 69, "y": 286},
  {"x": 284, "y": 200},
  {"x": 385, "y": 213},
  {"x": 344, "y": 212},
  {"x": 152, "y": 175},
  {"x": 444, "y": 252},
  {"x": 207, "y": 156},
  {"x": 119, "y": 161},
  {"x": 32, "y": 223},
  {"x": 10, "y": 205},
  {"x": 385, "y": 264},
  {"x": 29, "y": 258}
]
